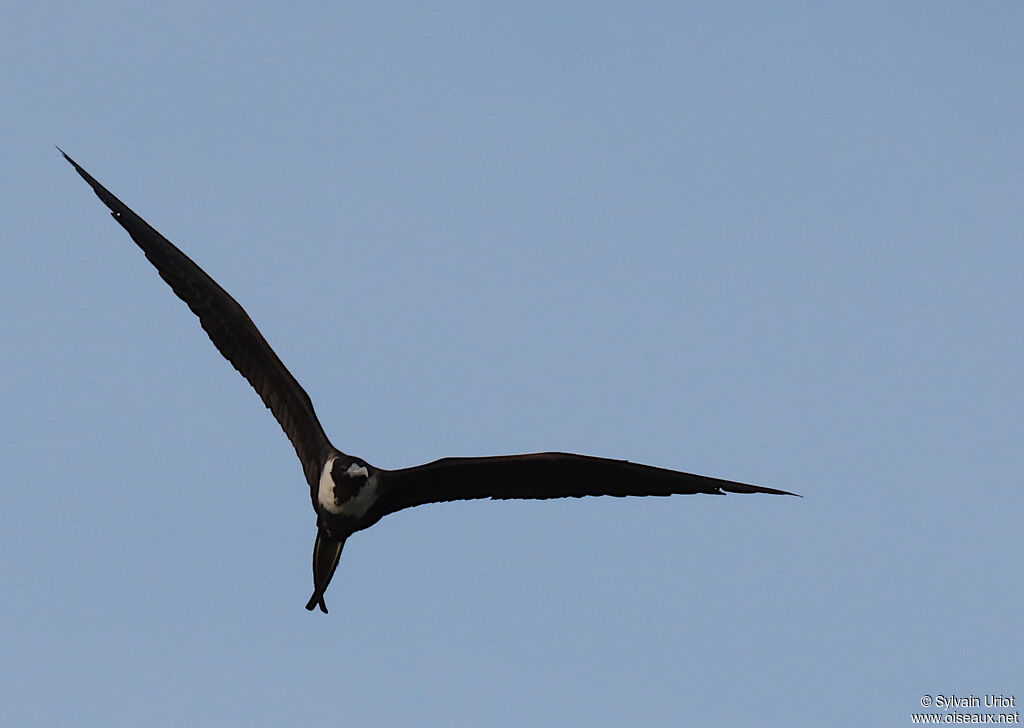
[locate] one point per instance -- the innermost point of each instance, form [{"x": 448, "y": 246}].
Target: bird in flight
[{"x": 348, "y": 493}]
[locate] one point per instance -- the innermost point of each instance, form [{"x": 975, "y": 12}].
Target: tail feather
[{"x": 326, "y": 552}]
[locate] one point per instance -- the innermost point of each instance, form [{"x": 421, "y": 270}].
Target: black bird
[{"x": 348, "y": 493}]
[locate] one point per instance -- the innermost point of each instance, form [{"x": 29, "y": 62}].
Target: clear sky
[{"x": 771, "y": 242}]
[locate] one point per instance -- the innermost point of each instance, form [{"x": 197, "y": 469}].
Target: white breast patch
[{"x": 326, "y": 492}]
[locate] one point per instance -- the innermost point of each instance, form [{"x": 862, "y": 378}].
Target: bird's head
[{"x": 342, "y": 484}]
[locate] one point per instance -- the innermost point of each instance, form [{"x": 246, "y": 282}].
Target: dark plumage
[{"x": 348, "y": 494}]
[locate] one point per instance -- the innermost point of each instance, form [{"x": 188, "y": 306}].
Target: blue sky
[{"x": 778, "y": 244}]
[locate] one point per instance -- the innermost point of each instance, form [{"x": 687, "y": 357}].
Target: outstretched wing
[
  {"x": 231, "y": 331},
  {"x": 542, "y": 475}
]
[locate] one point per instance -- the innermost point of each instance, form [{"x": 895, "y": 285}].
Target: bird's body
[{"x": 349, "y": 494}]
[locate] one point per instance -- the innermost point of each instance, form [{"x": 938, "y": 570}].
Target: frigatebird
[{"x": 348, "y": 493}]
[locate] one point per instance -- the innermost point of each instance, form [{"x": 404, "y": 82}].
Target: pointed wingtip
[
  {"x": 744, "y": 488},
  {"x": 776, "y": 491},
  {"x": 78, "y": 168},
  {"x": 118, "y": 209}
]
